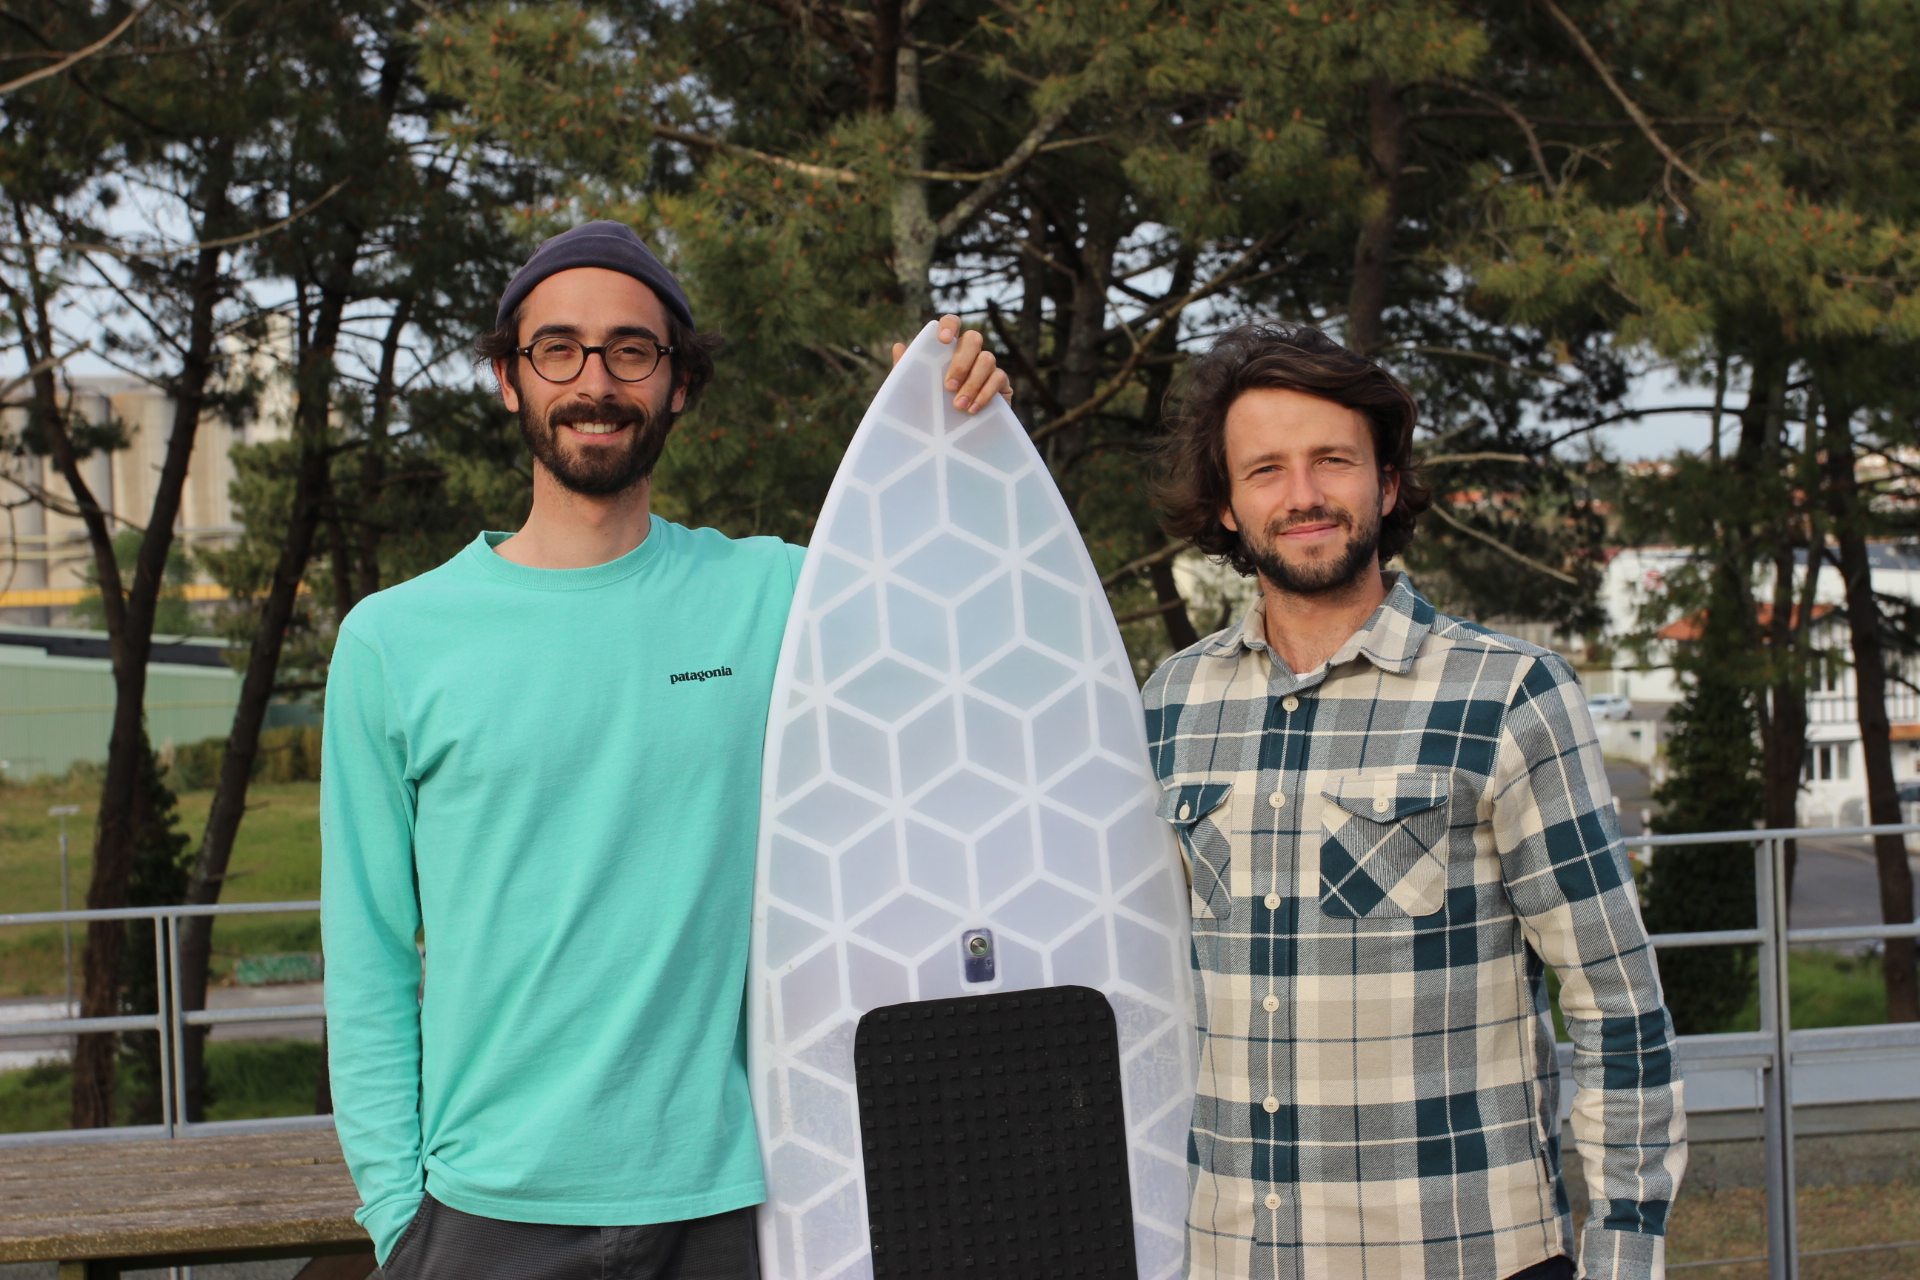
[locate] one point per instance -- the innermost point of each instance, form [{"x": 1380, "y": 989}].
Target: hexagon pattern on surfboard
[{"x": 955, "y": 742}]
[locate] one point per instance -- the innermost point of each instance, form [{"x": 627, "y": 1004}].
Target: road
[{"x": 1836, "y": 882}]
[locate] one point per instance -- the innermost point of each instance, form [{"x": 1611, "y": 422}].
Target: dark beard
[
  {"x": 597, "y": 473},
  {"x": 1318, "y": 577}
]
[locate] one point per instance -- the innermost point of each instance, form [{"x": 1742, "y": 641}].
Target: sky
[{"x": 1661, "y": 435}]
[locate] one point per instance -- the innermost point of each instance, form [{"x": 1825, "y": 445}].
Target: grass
[
  {"x": 1830, "y": 989},
  {"x": 247, "y": 1079},
  {"x": 1733, "y": 1224},
  {"x": 276, "y": 858}
]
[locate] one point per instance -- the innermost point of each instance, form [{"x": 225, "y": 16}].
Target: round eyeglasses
[{"x": 626, "y": 359}]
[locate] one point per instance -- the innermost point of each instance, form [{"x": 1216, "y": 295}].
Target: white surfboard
[{"x": 956, "y": 746}]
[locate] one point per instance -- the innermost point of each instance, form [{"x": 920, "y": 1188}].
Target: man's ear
[
  {"x": 1389, "y": 490},
  {"x": 679, "y": 402},
  {"x": 1226, "y": 518},
  {"x": 509, "y": 394}
]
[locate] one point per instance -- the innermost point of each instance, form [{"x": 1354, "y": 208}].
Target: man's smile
[{"x": 596, "y": 428}]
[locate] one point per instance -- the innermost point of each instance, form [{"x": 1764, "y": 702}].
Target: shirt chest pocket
[
  {"x": 1383, "y": 846},
  {"x": 1198, "y": 812}
]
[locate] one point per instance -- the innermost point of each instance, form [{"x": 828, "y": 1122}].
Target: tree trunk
[
  {"x": 1177, "y": 619},
  {"x": 1784, "y": 726},
  {"x": 373, "y": 457},
  {"x": 1372, "y": 258},
  {"x": 315, "y": 381},
  {"x": 1870, "y": 683},
  {"x": 339, "y": 554},
  {"x": 914, "y": 233},
  {"x": 129, "y": 614},
  {"x": 1085, "y": 314},
  {"x": 883, "y": 68}
]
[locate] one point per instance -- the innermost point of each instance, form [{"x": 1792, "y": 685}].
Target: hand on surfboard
[{"x": 974, "y": 377}]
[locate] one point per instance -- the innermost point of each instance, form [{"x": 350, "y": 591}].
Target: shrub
[{"x": 290, "y": 754}]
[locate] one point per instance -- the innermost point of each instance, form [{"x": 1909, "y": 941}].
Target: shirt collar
[{"x": 1391, "y": 638}]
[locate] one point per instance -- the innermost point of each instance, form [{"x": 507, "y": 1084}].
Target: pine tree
[
  {"x": 821, "y": 177},
  {"x": 1713, "y": 784}
]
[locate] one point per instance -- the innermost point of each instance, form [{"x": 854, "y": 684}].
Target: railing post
[
  {"x": 162, "y": 1023},
  {"x": 177, "y": 1024},
  {"x": 1783, "y": 1237}
]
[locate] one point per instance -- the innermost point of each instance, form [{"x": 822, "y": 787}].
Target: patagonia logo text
[{"x": 700, "y": 675}]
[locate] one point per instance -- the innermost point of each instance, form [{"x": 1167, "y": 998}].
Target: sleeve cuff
[
  {"x": 387, "y": 1221},
  {"x": 1621, "y": 1255}
]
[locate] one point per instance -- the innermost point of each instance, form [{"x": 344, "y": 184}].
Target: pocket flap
[
  {"x": 1388, "y": 798},
  {"x": 1187, "y": 803}
]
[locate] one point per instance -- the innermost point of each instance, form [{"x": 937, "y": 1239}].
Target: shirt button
[
  {"x": 1290, "y": 702},
  {"x": 1278, "y": 799},
  {"x": 1186, "y": 811},
  {"x": 1273, "y": 1199},
  {"x": 1273, "y": 902},
  {"x": 1270, "y": 1003},
  {"x": 1381, "y": 805},
  {"x": 1272, "y": 1104}
]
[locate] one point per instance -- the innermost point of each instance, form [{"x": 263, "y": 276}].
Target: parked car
[
  {"x": 1609, "y": 706},
  {"x": 1910, "y": 812}
]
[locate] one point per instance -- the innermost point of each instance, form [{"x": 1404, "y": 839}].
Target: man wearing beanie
[{"x": 519, "y": 769}]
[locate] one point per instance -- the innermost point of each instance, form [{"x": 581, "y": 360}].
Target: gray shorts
[{"x": 443, "y": 1243}]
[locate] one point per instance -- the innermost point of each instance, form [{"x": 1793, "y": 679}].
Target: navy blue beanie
[{"x": 612, "y": 245}]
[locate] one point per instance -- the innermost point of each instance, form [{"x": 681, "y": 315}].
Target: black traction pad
[{"x": 995, "y": 1138}]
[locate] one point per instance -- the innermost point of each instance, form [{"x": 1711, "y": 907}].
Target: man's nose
[
  {"x": 1300, "y": 491},
  {"x": 594, "y": 381}
]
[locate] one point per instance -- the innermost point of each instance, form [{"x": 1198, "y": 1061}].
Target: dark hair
[
  {"x": 692, "y": 353},
  {"x": 1194, "y": 486}
]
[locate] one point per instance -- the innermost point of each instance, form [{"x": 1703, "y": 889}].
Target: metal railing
[
  {"x": 1771, "y": 935},
  {"x": 168, "y": 1021}
]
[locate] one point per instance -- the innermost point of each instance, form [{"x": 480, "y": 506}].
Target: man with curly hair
[{"x": 1394, "y": 820}]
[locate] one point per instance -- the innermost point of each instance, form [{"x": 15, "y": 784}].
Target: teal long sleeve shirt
[{"x": 556, "y": 775}]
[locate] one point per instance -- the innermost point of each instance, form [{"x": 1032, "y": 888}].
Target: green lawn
[
  {"x": 276, "y": 858},
  {"x": 247, "y": 1080},
  {"x": 1829, "y": 990}
]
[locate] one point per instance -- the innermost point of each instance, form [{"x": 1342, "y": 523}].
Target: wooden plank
[
  {"x": 114, "y": 1200},
  {"x": 252, "y": 1150}
]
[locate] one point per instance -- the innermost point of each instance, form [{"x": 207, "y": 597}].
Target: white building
[
  {"x": 45, "y": 556},
  {"x": 1834, "y": 791}
]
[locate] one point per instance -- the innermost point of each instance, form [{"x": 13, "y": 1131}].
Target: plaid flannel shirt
[{"x": 1383, "y": 853}]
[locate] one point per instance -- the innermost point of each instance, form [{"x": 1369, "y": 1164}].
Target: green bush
[
  {"x": 290, "y": 754},
  {"x": 36, "y": 1099},
  {"x": 250, "y": 1079},
  {"x": 247, "y": 1079},
  {"x": 1830, "y": 989}
]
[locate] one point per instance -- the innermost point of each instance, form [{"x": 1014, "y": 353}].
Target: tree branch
[
  {"x": 1440, "y": 458},
  {"x": 1514, "y": 114},
  {"x": 1147, "y": 561},
  {"x": 225, "y": 242},
  {"x": 947, "y": 175},
  {"x": 823, "y": 172},
  {"x": 996, "y": 181},
  {"x": 1481, "y": 355},
  {"x": 78, "y": 56},
  {"x": 1633, "y": 109},
  {"x": 1502, "y": 547},
  {"x": 1093, "y": 403},
  {"x": 1140, "y": 615}
]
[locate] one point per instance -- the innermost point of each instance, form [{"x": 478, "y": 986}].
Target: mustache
[
  {"x": 1318, "y": 515},
  {"x": 613, "y": 412}
]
